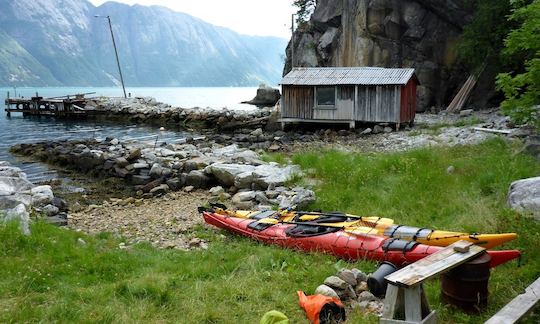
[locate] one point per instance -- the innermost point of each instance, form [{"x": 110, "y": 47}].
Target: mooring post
[{"x": 7, "y": 106}]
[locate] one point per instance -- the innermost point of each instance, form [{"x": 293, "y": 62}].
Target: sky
[{"x": 250, "y": 17}]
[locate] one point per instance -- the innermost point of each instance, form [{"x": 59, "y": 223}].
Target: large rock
[
  {"x": 326, "y": 291},
  {"x": 197, "y": 179},
  {"x": 12, "y": 185},
  {"x": 42, "y": 195},
  {"x": 524, "y": 196},
  {"x": 266, "y": 96},
  {"x": 226, "y": 173},
  {"x": 273, "y": 175},
  {"x": 20, "y": 214}
]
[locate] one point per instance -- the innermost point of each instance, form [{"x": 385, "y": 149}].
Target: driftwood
[{"x": 489, "y": 130}]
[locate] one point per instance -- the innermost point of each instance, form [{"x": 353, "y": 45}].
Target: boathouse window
[{"x": 325, "y": 97}]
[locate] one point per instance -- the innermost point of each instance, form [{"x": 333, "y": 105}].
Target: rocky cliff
[
  {"x": 59, "y": 42},
  {"x": 388, "y": 33}
]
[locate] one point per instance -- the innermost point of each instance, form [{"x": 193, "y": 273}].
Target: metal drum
[{"x": 466, "y": 286}]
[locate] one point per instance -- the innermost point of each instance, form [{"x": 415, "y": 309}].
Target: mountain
[{"x": 60, "y": 42}]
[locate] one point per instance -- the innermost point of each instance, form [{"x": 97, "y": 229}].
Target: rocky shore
[
  {"x": 230, "y": 172},
  {"x": 146, "y": 110},
  {"x": 19, "y": 198}
]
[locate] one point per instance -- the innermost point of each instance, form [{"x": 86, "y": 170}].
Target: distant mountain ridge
[{"x": 61, "y": 43}]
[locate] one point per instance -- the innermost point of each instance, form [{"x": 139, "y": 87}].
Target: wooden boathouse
[{"x": 349, "y": 95}]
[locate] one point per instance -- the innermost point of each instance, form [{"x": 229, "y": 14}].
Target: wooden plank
[
  {"x": 390, "y": 301},
  {"x": 413, "y": 306},
  {"x": 519, "y": 306},
  {"x": 432, "y": 265}
]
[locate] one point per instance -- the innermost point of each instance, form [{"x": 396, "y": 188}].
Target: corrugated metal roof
[{"x": 347, "y": 75}]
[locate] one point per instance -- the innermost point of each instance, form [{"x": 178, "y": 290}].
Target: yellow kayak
[{"x": 361, "y": 225}]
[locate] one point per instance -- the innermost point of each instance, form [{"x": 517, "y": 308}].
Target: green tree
[
  {"x": 522, "y": 89},
  {"x": 483, "y": 38},
  {"x": 305, "y": 9}
]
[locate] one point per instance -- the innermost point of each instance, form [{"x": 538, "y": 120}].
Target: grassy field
[{"x": 52, "y": 277}]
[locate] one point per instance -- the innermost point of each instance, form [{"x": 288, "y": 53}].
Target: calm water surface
[{"x": 16, "y": 129}]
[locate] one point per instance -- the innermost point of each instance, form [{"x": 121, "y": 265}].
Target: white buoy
[{"x": 162, "y": 128}]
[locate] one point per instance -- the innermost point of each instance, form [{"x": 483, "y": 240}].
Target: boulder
[
  {"x": 247, "y": 157},
  {"x": 266, "y": 96},
  {"x": 156, "y": 171},
  {"x": 20, "y": 214},
  {"x": 9, "y": 171},
  {"x": 360, "y": 276},
  {"x": 216, "y": 191},
  {"x": 302, "y": 198},
  {"x": 175, "y": 183},
  {"x": 524, "y": 196},
  {"x": 134, "y": 154},
  {"x": 160, "y": 190},
  {"x": 336, "y": 282},
  {"x": 197, "y": 179},
  {"x": 42, "y": 195},
  {"x": 12, "y": 185},
  {"x": 347, "y": 276},
  {"x": 226, "y": 173},
  {"x": 326, "y": 291},
  {"x": 271, "y": 174},
  {"x": 50, "y": 210},
  {"x": 243, "y": 196},
  {"x": 366, "y": 296}
]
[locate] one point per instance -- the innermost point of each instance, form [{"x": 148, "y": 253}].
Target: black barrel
[
  {"x": 376, "y": 283},
  {"x": 466, "y": 286}
]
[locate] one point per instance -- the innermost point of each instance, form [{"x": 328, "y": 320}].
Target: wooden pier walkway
[{"x": 62, "y": 106}]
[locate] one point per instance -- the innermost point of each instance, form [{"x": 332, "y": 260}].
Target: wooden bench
[
  {"x": 405, "y": 300},
  {"x": 518, "y": 307}
]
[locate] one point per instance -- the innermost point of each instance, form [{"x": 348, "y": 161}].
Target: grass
[{"x": 49, "y": 277}]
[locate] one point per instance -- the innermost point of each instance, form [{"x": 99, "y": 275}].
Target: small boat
[
  {"x": 371, "y": 225},
  {"x": 335, "y": 240}
]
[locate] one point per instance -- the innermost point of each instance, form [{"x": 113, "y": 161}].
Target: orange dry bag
[{"x": 321, "y": 309}]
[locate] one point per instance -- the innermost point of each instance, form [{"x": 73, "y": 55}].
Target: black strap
[
  {"x": 395, "y": 230},
  {"x": 415, "y": 236}
]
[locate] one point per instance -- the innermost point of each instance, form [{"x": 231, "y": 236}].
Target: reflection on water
[{"x": 16, "y": 129}]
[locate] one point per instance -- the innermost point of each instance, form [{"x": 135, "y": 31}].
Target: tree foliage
[
  {"x": 483, "y": 39},
  {"x": 305, "y": 9},
  {"x": 522, "y": 89}
]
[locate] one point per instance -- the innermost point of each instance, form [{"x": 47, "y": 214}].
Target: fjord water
[{"x": 16, "y": 129}]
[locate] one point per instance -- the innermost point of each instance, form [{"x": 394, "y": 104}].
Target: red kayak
[{"x": 335, "y": 241}]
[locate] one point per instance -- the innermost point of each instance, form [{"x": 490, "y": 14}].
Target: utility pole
[
  {"x": 292, "y": 41},
  {"x": 115, "y": 53}
]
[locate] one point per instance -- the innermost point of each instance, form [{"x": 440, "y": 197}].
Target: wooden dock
[{"x": 62, "y": 106}]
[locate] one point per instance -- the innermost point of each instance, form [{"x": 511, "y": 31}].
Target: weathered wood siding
[
  {"x": 408, "y": 101},
  {"x": 344, "y": 106},
  {"x": 378, "y": 103},
  {"x": 297, "y": 102}
]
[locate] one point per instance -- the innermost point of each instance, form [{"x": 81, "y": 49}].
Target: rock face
[
  {"x": 387, "y": 33},
  {"x": 524, "y": 196}
]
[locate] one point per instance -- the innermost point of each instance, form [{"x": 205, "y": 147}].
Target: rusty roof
[{"x": 347, "y": 75}]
